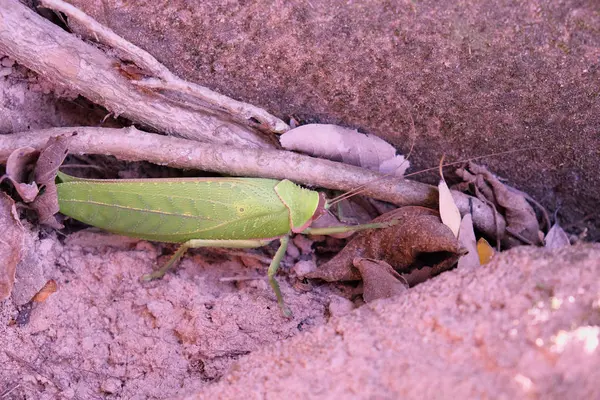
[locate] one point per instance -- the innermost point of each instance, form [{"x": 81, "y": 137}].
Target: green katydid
[{"x": 200, "y": 212}]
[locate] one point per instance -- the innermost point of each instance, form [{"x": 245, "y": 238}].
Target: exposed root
[{"x": 132, "y": 144}]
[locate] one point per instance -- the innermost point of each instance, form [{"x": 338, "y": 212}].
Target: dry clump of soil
[
  {"x": 527, "y": 325},
  {"x": 103, "y": 333}
]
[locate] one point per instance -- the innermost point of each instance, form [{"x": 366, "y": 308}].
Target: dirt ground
[
  {"x": 524, "y": 326},
  {"x": 476, "y": 77}
]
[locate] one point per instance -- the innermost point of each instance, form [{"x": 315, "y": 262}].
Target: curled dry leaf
[
  {"x": 18, "y": 167},
  {"x": 347, "y": 145},
  {"x": 11, "y": 244},
  {"x": 51, "y": 158},
  {"x": 417, "y": 276},
  {"x": 466, "y": 238},
  {"x": 418, "y": 239},
  {"x": 521, "y": 221},
  {"x": 380, "y": 280},
  {"x": 556, "y": 238}
]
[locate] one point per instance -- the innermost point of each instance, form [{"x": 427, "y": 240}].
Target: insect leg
[
  {"x": 194, "y": 243},
  {"x": 350, "y": 228},
  {"x": 273, "y": 270}
]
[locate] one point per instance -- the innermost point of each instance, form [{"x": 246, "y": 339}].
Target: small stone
[
  {"x": 292, "y": 250},
  {"x": 111, "y": 385},
  {"x": 7, "y": 62},
  {"x": 339, "y": 306},
  {"x": 303, "y": 243},
  {"x": 6, "y": 71},
  {"x": 304, "y": 267}
]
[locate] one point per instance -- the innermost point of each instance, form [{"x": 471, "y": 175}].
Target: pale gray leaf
[{"x": 346, "y": 145}]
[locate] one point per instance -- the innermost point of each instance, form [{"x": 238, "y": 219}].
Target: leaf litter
[
  {"x": 448, "y": 210},
  {"x": 521, "y": 219},
  {"x": 556, "y": 238},
  {"x": 51, "y": 158},
  {"x": 485, "y": 251},
  {"x": 18, "y": 168},
  {"x": 418, "y": 239},
  {"x": 380, "y": 280},
  {"x": 467, "y": 239}
]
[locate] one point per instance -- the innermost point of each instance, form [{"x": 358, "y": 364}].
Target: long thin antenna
[
  {"x": 471, "y": 159},
  {"x": 362, "y": 187}
]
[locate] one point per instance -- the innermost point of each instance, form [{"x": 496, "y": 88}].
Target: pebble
[
  {"x": 7, "y": 62},
  {"x": 304, "y": 267},
  {"x": 339, "y": 306}
]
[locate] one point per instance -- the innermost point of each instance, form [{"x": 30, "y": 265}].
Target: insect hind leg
[{"x": 195, "y": 243}]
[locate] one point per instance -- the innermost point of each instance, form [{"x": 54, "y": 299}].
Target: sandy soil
[{"x": 524, "y": 326}]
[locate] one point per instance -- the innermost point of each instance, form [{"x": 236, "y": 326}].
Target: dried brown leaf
[
  {"x": 51, "y": 157},
  {"x": 418, "y": 239},
  {"x": 521, "y": 220},
  {"x": 466, "y": 238},
  {"x": 556, "y": 238},
  {"x": 46, "y": 206},
  {"x": 356, "y": 210},
  {"x": 380, "y": 280},
  {"x": 417, "y": 276},
  {"x": 346, "y": 145},
  {"x": 11, "y": 244},
  {"x": 18, "y": 166}
]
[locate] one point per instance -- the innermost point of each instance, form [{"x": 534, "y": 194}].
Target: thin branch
[
  {"x": 134, "y": 145},
  {"x": 68, "y": 61},
  {"x": 165, "y": 79}
]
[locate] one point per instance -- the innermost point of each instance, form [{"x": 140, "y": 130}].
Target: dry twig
[
  {"x": 165, "y": 79},
  {"x": 68, "y": 61},
  {"x": 135, "y": 145}
]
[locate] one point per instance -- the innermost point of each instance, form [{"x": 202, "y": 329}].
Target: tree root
[
  {"x": 134, "y": 145},
  {"x": 68, "y": 61}
]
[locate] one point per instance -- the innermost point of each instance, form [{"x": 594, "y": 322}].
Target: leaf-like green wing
[{"x": 178, "y": 210}]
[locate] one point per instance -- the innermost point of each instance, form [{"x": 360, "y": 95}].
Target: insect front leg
[
  {"x": 195, "y": 243},
  {"x": 351, "y": 228},
  {"x": 273, "y": 271}
]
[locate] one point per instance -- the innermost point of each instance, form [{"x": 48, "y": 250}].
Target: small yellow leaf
[{"x": 485, "y": 251}]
